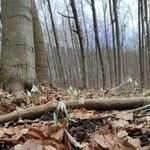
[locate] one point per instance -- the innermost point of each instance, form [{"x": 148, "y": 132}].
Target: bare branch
[
  {"x": 65, "y": 15},
  {"x": 74, "y": 31},
  {"x": 89, "y": 2}
]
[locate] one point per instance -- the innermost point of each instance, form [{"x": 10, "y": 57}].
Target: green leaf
[{"x": 55, "y": 118}]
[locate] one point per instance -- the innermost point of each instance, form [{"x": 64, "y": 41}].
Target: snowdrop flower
[
  {"x": 130, "y": 80},
  {"x": 61, "y": 106},
  {"x": 75, "y": 92},
  {"x": 42, "y": 88},
  {"x": 136, "y": 84},
  {"x": 34, "y": 89},
  {"x": 29, "y": 93},
  {"x": 81, "y": 101}
]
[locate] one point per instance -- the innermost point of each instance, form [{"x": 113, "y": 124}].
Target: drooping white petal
[
  {"x": 61, "y": 106},
  {"x": 34, "y": 89},
  {"x": 130, "y": 80}
]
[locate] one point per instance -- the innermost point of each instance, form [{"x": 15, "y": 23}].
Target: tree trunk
[
  {"x": 87, "y": 42},
  {"x": 18, "y": 55},
  {"x": 117, "y": 32},
  {"x": 94, "y": 104},
  {"x": 140, "y": 45},
  {"x": 107, "y": 45},
  {"x": 40, "y": 52},
  {"x": 74, "y": 48},
  {"x": 147, "y": 26},
  {"x": 82, "y": 49},
  {"x": 114, "y": 43},
  {"x": 61, "y": 70},
  {"x": 50, "y": 47},
  {"x": 98, "y": 44}
]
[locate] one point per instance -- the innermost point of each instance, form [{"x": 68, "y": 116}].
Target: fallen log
[{"x": 91, "y": 104}]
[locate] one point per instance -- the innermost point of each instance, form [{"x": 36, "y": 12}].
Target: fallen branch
[
  {"x": 91, "y": 104},
  {"x": 145, "y": 107},
  {"x": 72, "y": 140}
]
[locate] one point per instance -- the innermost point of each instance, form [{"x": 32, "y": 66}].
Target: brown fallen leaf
[
  {"x": 34, "y": 144},
  {"x": 36, "y": 133},
  {"x": 133, "y": 143},
  {"x": 122, "y": 134},
  {"x": 58, "y": 134},
  {"x": 82, "y": 113},
  {"x": 124, "y": 115},
  {"x": 3, "y": 111},
  {"x": 118, "y": 124},
  {"x": 102, "y": 141},
  {"x": 30, "y": 145},
  {"x": 49, "y": 147},
  {"x": 54, "y": 143},
  {"x": 1, "y": 134}
]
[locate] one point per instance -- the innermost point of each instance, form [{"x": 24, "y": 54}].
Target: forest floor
[{"x": 73, "y": 129}]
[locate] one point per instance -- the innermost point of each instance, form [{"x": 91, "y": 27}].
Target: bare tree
[
  {"x": 114, "y": 43},
  {"x": 62, "y": 73},
  {"x": 141, "y": 58},
  {"x": 117, "y": 37},
  {"x": 98, "y": 43},
  {"x": 82, "y": 49},
  {"x": 106, "y": 40},
  {"x": 50, "y": 46},
  {"x": 18, "y": 54},
  {"x": 40, "y": 52},
  {"x": 147, "y": 32}
]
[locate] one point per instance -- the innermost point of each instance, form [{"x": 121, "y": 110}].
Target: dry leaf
[
  {"x": 133, "y": 143},
  {"x": 49, "y": 147},
  {"x": 1, "y": 134},
  {"x": 58, "y": 134},
  {"x": 124, "y": 115},
  {"x": 119, "y": 124},
  {"x": 82, "y": 113},
  {"x": 99, "y": 139},
  {"x": 30, "y": 145},
  {"x": 35, "y": 133},
  {"x": 122, "y": 134}
]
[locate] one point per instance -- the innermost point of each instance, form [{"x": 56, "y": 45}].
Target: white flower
[
  {"x": 28, "y": 93},
  {"x": 136, "y": 84},
  {"x": 34, "y": 89},
  {"x": 42, "y": 88},
  {"x": 61, "y": 106},
  {"x": 75, "y": 92},
  {"x": 70, "y": 88},
  {"x": 81, "y": 101},
  {"x": 130, "y": 80}
]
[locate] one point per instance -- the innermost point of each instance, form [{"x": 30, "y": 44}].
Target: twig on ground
[
  {"x": 90, "y": 104},
  {"x": 72, "y": 140}
]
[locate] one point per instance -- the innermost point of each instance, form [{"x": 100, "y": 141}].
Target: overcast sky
[{"x": 127, "y": 14}]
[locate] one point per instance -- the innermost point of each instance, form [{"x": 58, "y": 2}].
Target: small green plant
[
  {"x": 73, "y": 93},
  {"x": 69, "y": 117},
  {"x": 146, "y": 92},
  {"x": 55, "y": 119},
  {"x": 35, "y": 93},
  {"x": 62, "y": 107}
]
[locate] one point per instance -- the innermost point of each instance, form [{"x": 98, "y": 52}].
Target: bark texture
[
  {"x": 97, "y": 104},
  {"x": 117, "y": 38},
  {"x": 61, "y": 69},
  {"x": 18, "y": 55},
  {"x": 98, "y": 46},
  {"x": 40, "y": 51},
  {"x": 81, "y": 42}
]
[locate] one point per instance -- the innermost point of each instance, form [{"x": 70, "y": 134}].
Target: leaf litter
[{"x": 90, "y": 130}]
